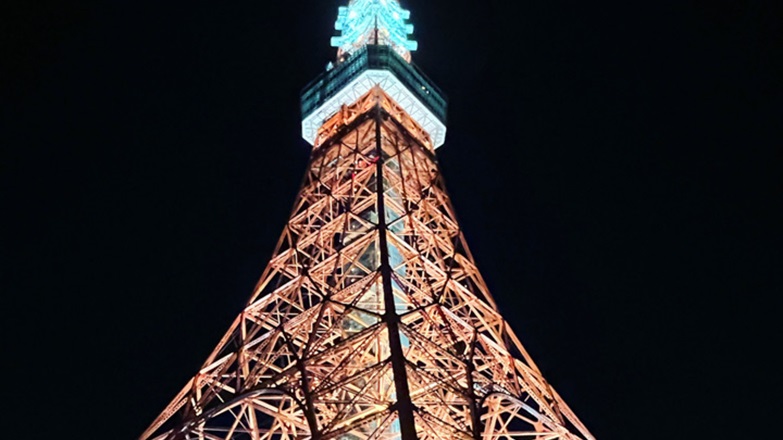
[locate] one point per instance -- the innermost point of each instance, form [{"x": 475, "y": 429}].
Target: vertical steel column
[{"x": 404, "y": 405}]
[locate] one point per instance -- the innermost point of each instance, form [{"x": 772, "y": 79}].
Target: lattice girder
[{"x": 371, "y": 286}]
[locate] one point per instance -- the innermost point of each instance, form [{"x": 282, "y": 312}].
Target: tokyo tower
[{"x": 371, "y": 320}]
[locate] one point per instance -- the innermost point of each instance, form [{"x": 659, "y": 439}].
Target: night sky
[{"x": 615, "y": 166}]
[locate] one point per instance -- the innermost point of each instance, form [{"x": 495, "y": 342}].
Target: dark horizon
[{"x": 615, "y": 168}]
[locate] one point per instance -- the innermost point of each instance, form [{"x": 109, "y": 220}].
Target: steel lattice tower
[{"x": 371, "y": 320}]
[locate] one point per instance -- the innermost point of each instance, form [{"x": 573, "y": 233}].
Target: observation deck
[{"x": 369, "y": 66}]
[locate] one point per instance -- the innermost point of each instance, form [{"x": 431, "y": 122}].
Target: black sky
[{"x": 615, "y": 166}]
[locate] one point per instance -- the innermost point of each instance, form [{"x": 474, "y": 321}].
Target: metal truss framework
[{"x": 371, "y": 320}]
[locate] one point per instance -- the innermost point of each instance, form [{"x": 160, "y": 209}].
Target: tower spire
[{"x": 362, "y": 22}]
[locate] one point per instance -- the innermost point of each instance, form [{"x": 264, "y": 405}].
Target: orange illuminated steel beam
[{"x": 371, "y": 320}]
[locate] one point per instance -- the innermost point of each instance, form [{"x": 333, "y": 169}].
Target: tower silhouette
[{"x": 371, "y": 320}]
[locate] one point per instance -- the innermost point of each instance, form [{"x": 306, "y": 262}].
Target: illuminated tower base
[{"x": 371, "y": 320}]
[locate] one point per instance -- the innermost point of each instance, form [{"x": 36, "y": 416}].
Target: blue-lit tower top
[
  {"x": 373, "y": 49},
  {"x": 365, "y": 22}
]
